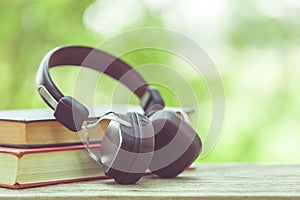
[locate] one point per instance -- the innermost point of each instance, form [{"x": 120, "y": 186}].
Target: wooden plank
[{"x": 208, "y": 181}]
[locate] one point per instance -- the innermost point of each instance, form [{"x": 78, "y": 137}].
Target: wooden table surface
[{"x": 208, "y": 181}]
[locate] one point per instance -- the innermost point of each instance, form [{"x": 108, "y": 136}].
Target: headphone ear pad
[
  {"x": 177, "y": 144},
  {"x": 128, "y": 162}
]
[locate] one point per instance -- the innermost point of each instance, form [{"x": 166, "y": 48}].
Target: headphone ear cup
[
  {"x": 130, "y": 161},
  {"x": 177, "y": 144}
]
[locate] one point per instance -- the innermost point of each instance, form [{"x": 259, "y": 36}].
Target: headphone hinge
[{"x": 152, "y": 101}]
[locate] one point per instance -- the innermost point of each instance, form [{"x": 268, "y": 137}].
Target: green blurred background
[{"x": 254, "y": 44}]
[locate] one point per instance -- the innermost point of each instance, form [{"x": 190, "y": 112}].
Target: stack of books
[{"x": 36, "y": 150}]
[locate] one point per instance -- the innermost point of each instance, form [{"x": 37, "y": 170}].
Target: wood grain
[{"x": 208, "y": 181}]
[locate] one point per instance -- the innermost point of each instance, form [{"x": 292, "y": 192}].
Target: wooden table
[{"x": 208, "y": 181}]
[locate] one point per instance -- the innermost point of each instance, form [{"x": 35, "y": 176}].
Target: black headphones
[{"x": 160, "y": 140}]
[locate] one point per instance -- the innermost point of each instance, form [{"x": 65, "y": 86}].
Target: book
[
  {"x": 33, "y": 128},
  {"x": 26, "y": 168},
  {"x": 23, "y": 168}
]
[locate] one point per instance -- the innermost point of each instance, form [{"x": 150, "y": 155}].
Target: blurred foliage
[
  {"x": 262, "y": 123},
  {"x": 28, "y": 31},
  {"x": 257, "y": 54}
]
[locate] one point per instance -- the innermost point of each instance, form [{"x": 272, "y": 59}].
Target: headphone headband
[{"x": 99, "y": 61}]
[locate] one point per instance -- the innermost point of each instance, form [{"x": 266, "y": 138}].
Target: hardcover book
[
  {"x": 38, "y": 128},
  {"x": 22, "y": 168}
]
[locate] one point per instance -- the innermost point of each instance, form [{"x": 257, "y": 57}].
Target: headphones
[{"x": 159, "y": 140}]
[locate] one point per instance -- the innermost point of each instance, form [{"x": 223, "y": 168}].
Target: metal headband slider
[{"x": 45, "y": 94}]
